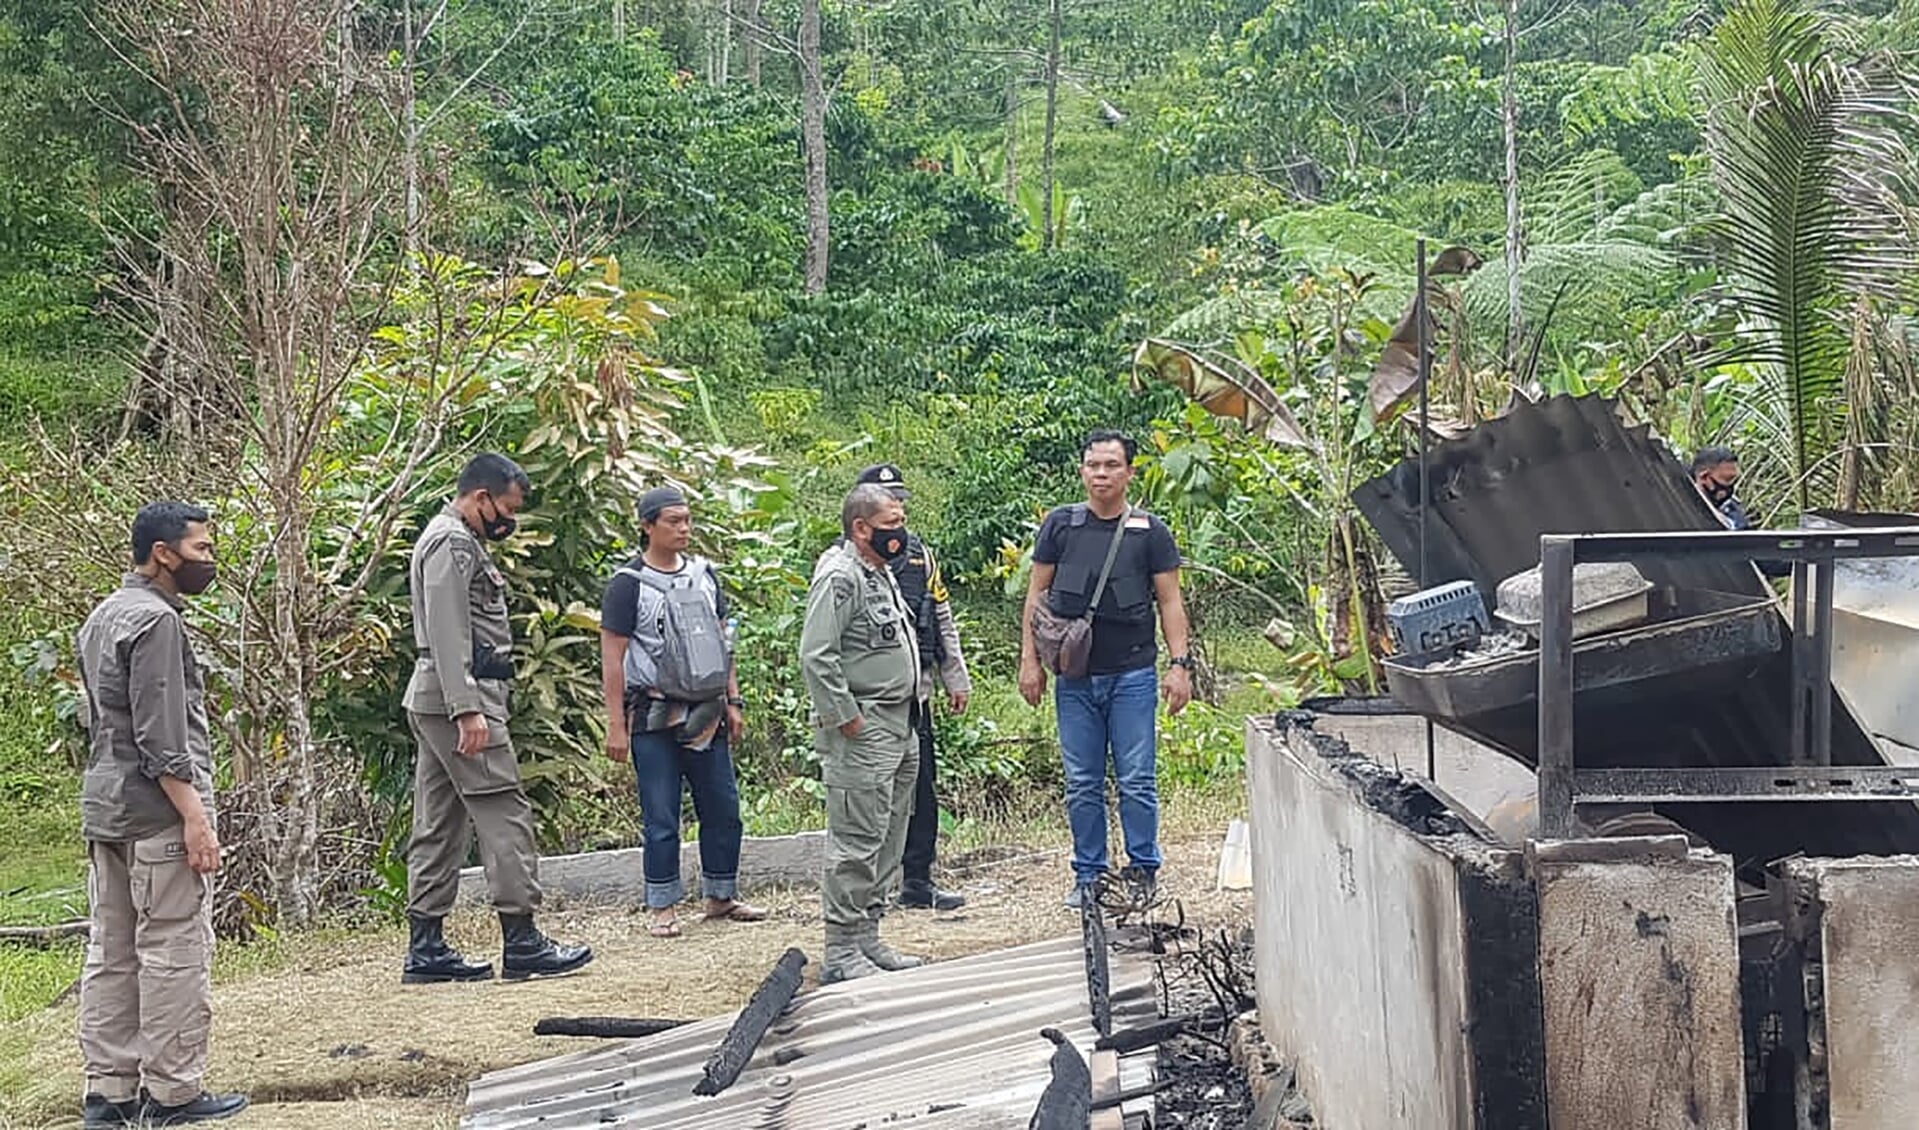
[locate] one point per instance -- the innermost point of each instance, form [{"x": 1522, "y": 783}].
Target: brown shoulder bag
[{"x": 1065, "y": 645}]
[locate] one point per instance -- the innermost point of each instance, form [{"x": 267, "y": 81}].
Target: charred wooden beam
[
  {"x": 1099, "y": 985},
  {"x": 768, "y": 1001},
  {"x": 1129, "y": 1040},
  {"x": 603, "y": 1027},
  {"x": 1067, "y": 1101}
]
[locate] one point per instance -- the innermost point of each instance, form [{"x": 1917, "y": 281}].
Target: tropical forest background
[{"x": 297, "y": 260}]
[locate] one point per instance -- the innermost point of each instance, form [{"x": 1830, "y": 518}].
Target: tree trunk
[
  {"x": 750, "y": 41},
  {"x": 1048, "y": 238},
  {"x": 295, "y": 802},
  {"x": 410, "y": 132},
  {"x": 1012, "y": 135},
  {"x": 619, "y": 21},
  {"x": 1515, "y": 231},
  {"x": 813, "y": 137}
]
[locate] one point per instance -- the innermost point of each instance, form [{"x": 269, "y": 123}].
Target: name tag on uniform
[{"x": 1138, "y": 522}]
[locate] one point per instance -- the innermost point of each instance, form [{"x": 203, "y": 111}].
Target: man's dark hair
[
  {"x": 165, "y": 521},
  {"x": 493, "y": 473},
  {"x": 1710, "y": 457},
  {"x": 1110, "y": 435}
]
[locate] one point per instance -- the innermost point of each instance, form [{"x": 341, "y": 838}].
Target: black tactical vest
[
  {"x": 913, "y": 570},
  {"x": 1129, "y": 589}
]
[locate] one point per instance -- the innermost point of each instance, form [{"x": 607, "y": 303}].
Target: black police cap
[{"x": 886, "y": 475}]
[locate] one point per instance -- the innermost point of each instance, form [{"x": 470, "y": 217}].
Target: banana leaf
[
  {"x": 1396, "y": 377},
  {"x": 1221, "y": 385}
]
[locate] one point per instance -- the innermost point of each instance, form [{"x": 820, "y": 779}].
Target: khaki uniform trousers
[
  {"x": 869, "y": 802},
  {"x": 146, "y": 991},
  {"x": 450, "y": 789}
]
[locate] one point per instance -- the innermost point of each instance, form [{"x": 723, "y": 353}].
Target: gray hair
[{"x": 862, "y": 503}]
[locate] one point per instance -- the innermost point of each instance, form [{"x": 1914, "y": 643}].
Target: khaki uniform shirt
[
  {"x": 858, "y": 642},
  {"x": 146, "y": 714},
  {"x": 459, "y": 602}
]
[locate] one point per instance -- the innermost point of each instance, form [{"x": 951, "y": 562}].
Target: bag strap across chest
[{"x": 1112, "y": 555}]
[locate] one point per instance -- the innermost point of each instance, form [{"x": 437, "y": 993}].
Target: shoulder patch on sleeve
[{"x": 935, "y": 580}]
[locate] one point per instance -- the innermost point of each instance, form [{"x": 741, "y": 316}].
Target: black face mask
[
  {"x": 1719, "y": 493},
  {"x": 194, "y": 577},
  {"x": 888, "y": 542},
  {"x": 500, "y": 526}
]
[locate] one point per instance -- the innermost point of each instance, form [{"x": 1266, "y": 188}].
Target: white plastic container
[{"x": 1236, "y": 858}]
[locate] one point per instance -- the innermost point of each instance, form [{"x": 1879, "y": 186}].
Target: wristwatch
[
  {"x": 1185, "y": 661},
  {"x": 735, "y": 700}
]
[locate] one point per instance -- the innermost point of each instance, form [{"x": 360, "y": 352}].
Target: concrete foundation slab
[
  {"x": 1395, "y": 950},
  {"x": 1471, "y": 772},
  {"x": 1867, "y": 919},
  {"x": 1639, "y": 969},
  {"x": 619, "y": 875}
]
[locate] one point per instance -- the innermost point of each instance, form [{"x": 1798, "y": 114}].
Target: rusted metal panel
[{"x": 950, "y": 1046}]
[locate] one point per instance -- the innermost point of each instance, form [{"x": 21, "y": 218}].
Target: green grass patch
[
  {"x": 43, "y": 865},
  {"x": 32, "y": 977},
  {"x": 1245, "y": 652}
]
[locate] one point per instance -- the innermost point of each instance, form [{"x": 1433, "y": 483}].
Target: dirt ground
[{"x": 331, "y": 1039}]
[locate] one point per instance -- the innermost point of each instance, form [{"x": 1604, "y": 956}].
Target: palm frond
[
  {"x": 1594, "y": 282},
  {"x": 1655, "y": 87},
  {"x": 1220, "y": 319},
  {"x": 1568, "y": 203},
  {"x": 1810, "y": 170}
]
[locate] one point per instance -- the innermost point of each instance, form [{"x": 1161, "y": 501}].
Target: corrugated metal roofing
[
  {"x": 1569, "y": 465},
  {"x": 950, "y": 1045},
  {"x": 1563, "y": 466}
]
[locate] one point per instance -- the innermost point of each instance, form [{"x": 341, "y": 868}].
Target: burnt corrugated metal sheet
[
  {"x": 1571, "y": 466},
  {"x": 948, "y": 1046},
  {"x": 1564, "y": 466}
]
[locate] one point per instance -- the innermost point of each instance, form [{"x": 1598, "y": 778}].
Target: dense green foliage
[{"x": 1246, "y": 177}]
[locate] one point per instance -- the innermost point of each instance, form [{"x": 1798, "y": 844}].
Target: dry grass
[{"x": 325, "y": 1035}]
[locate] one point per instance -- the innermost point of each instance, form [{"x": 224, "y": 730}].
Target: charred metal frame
[{"x": 1811, "y": 776}]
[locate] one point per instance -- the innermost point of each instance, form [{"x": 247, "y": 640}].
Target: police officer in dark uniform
[{"x": 918, "y": 574}]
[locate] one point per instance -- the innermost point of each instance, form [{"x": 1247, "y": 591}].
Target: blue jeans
[
  {"x": 660, "y": 764},
  {"x": 1119, "y": 712}
]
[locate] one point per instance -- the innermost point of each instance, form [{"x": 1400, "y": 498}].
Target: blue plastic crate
[{"x": 1447, "y": 616}]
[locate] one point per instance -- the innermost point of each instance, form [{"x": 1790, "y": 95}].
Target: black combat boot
[
  {"x": 208, "y": 1107},
  {"x": 921, "y": 894},
  {"x": 429, "y": 960},
  {"x": 99, "y": 1113},
  {"x": 529, "y": 953}
]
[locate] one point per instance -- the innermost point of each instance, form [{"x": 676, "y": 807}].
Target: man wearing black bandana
[
  {"x": 456, "y": 704},
  {"x": 861, "y": 661}
]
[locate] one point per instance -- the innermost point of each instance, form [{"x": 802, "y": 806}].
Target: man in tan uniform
[
  {"x": 456, "y": 704},
  {"x": 860, "y": 659},
  {"x": 146, "y": 810}
]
